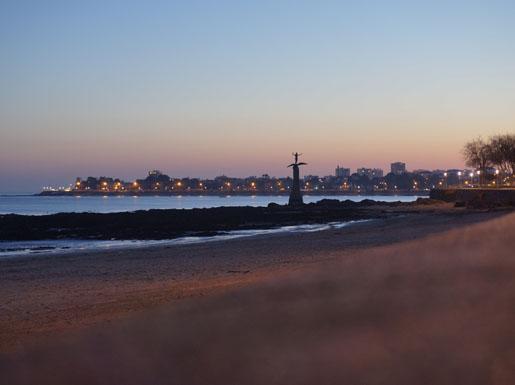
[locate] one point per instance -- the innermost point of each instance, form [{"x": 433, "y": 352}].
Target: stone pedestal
[{"x": 295, "y": 194}]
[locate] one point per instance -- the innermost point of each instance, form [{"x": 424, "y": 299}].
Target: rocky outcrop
[
  {"x": 476, "y": 198},
  {"x": 166, "y": 224}
]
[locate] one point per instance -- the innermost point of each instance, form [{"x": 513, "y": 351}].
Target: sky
[{"x": 204, "y": 88}]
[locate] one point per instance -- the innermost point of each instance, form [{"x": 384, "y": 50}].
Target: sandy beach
[{"x": 425, "y": 297}]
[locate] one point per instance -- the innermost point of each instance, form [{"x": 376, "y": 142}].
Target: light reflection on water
[{"x": 40, "y": 205}]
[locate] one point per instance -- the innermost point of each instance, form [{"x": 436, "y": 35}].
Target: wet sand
[{"x": 425, "y": 298}]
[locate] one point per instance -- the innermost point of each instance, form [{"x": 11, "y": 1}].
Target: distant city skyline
[
  {"x": 63, "y": 179},
  {"x": 55, "y": 181},
  {"x": 209, "y": 88},
  {"x": 108, "y": 182},
  {"x": 364, "y": 180}
]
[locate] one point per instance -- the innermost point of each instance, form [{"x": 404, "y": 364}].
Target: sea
[
  {"x": 40, "y": 205},
  {"x": 27, "y": 204}
]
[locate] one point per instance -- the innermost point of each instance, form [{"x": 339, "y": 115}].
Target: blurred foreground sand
[{"x": 436, "y": 310}]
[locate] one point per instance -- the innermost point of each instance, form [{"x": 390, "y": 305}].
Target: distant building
[
  {"x": 342, "y": 172},
  {"x": 453, "y": 177},
  {"x": 398, "y": 168},
  {"x": 370, "y": 172},
  {"x": 91, "y": 183}
]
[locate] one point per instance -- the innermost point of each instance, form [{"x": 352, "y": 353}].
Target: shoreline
[
  {"x": 19, "y": 249},
  {"x": 46, "y": 295},
  {"x": 227, "y": 193},
  {"x": 159, "y": 224}
]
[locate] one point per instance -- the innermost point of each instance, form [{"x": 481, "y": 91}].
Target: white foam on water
[{"x": 21, "y": 248}]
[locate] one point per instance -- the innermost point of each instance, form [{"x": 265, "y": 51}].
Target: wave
[{"x": 24, "y": 248}]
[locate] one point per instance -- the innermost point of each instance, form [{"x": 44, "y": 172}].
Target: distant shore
[{"x": 225, "y": 193}]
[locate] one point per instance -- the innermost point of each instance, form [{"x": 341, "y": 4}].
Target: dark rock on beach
[{"x": 165, "y": 224}]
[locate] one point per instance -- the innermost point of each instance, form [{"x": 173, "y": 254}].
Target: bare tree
[
  {"x": 502, "y": 152},
  {"x": 477, "y": 154}
]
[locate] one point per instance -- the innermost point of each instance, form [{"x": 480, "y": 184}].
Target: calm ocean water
[{"x": 38, "y": 205}]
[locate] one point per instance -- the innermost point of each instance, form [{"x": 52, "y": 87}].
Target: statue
[{"x": 295, "y": 194}]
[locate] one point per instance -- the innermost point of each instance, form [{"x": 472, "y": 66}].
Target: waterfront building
[
  {"x": 370, "y": 172},
  {"x": 398, "y": 168},
  {"x": 342, "y": 172}
]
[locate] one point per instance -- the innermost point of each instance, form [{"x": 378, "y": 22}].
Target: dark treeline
[{"x": 498, "y": 151}]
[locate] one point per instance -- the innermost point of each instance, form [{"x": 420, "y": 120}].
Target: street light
[{"x": 471, "y": 176}]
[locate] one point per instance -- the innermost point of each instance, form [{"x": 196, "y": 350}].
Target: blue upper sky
[{"x": 208, "y": 87}]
